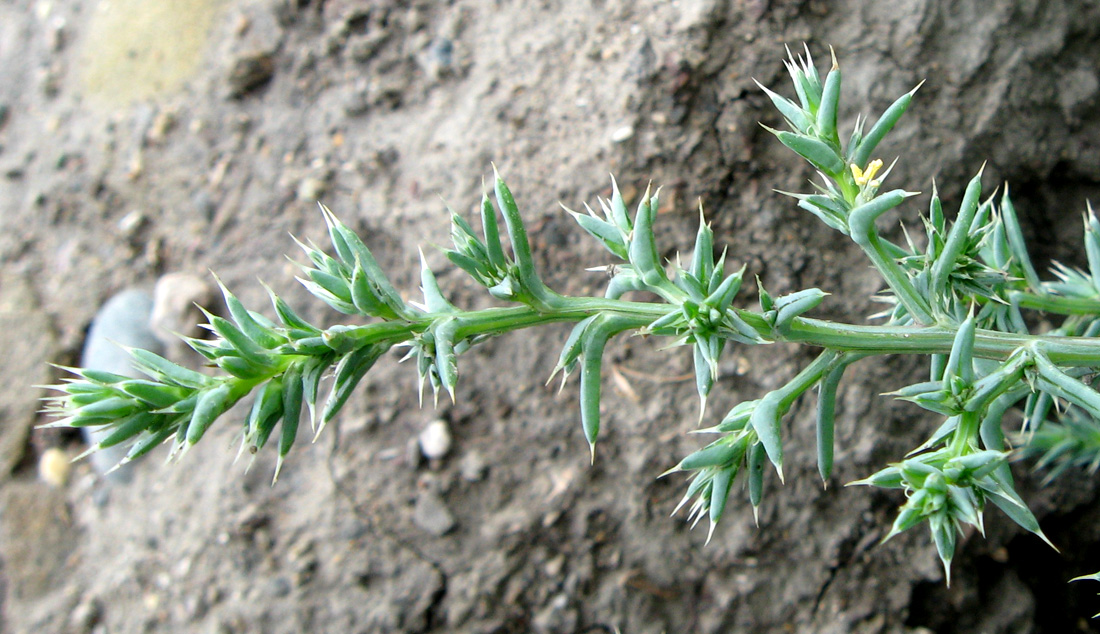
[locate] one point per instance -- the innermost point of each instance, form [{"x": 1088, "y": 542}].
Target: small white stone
[
  {"x": 131, "y": 222},
  {"x": 435, "y": 440},
  {"x": 311, "y": 189},
  {"x": 54, "y": 467},
  {"x": 622, "y": 134}
]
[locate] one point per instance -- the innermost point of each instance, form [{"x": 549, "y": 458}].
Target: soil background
[{"x": 142, "y": 138}]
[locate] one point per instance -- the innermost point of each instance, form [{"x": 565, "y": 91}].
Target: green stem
[
  {"x": 988, "y": 344},
  {"x": 861, "y": 225},
  {"x": 807, "y": 378},
  {"x": 897, "y": 280},
  {"x": 1057, "y": 304},
  {"x": 848, "y": 187},
  {"x": 965, "y": 438},
  {"x": 1066, "y": 351}
]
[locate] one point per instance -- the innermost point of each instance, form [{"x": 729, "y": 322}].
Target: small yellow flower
[{"x": 866, "y": 176}]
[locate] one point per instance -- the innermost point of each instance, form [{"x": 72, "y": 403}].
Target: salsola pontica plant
[{"x": 959, "y": 298}]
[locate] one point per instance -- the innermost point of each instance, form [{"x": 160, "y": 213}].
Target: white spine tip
[{"x": 278, "y": 469}]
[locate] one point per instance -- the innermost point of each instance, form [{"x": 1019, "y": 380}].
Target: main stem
[{"x": 1076, "y": 351}]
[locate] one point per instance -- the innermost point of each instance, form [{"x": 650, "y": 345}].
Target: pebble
[
  {"x": 737, "y": 366},
  {"x": 204, "y": 204},
  {"x": 174, "y": 311},
  {"x": 556, "y": 617},
  {"x": 122, "y": 321},
  {"x": 440, "y": 57},
  {"x": 431, "y": 514},
  {"x": 131, "y": 222},
  {"x": 357, "y": 101},
  {"x": 361, "y": 48},
  {"x": 54, "y": 467},
  {"x": 442, "y": 50},
  {"x": 86, "y": 615},
  {"x": 163, "y": 123},
  {"x": 472, "y": 468},
  {"x": 249, "y": 73},
  {"x": 622, "y": 134},
  {"x": 643, "y": 62},
  {"x": 278, "y": 587},
  {"x": 554, "y": 567},
  {"x": 311, "y": 189},
  {"x": 435, "y": 440}
]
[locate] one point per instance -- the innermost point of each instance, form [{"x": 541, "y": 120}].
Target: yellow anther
[
  {"x": 863, "y": 177},
  {"x": 873, "y": 168},
  {"x": 858, "y": 174}
]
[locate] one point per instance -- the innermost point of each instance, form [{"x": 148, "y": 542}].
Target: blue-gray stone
[{"x": 122, "y": 321}]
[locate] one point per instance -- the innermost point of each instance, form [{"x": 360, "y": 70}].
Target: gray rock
[
  {"x": 472, "y": 467},
  {"x": 442, "y": 51},
  {"x": 250, "y": 72},
  {"x": 431, "y": 514},
  {"x": 123, "y": 321},
  {"x": 278, "y": 587},
  {"x": 204, "y": 204},
  {"x": 357, "y": 100}
]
